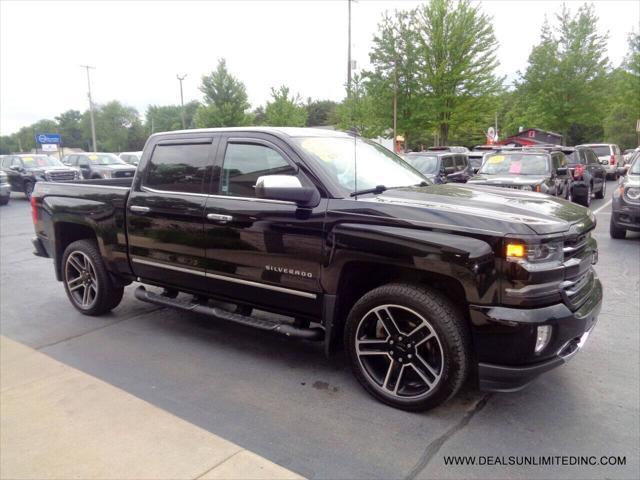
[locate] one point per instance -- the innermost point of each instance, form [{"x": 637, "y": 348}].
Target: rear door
[
  {"x": 262, "y": 251},
  {"x": 165, "y": 211}
]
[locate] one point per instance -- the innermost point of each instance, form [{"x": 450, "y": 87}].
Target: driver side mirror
[
  {"x": 561, "y": 170},
  {"x": 287, "y": 188},
  {"x": 622, "y": 171}
]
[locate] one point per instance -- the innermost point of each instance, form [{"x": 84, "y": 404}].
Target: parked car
[
  {"x": 625, "y": 204},
  {"x": 101, "y": 165},
  {"x": 24, "y": 170},
  {"x": 5, "y": 188},
  {"x": 449, "y": 148},
  {"x": 424, "y": 285},
  {"x": 132, "y": 158},
  {"x": 628, "y": 154},
  {"x": 609, "y": 155},
  {"x": 589, "y": 176},
  {"x": 441, "y": 167},
  {"x": 533, "y": 170},
  {"x": 475, "y": 159}
]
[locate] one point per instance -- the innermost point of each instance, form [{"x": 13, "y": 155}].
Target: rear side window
[
  {"x": 245, "y": 162},
  {"x": 447, "y": 162},
  {"x": 178, "y": 168}
]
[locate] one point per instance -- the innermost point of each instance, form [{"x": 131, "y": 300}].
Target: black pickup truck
[{"x": 424, "y": 285}]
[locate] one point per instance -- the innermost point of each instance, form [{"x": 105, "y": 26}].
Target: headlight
[
  {"x": 633, "y": 193},
  {"x": 106, "y": 174},
  {"x": 534, "y": 253}
]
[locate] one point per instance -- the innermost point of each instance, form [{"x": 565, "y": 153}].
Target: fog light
[{"x": 542, "y": 340}]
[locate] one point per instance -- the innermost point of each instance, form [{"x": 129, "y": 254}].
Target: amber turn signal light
[{"x": 515, "y": 250}]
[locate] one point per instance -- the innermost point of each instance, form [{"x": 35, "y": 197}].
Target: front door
[
  {"x": 261, "y": 251},
  {"x": 165, "y": 211}
]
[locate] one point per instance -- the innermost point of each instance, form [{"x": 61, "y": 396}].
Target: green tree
[
  {"x": 118, "y": 128},
  {"x": 283, "y": 110},
  {"x": 320, "y": 113},
  {"x": 70, "y": 128},
  {"x": 165, "y": 118},
  {"x": 395, "y": 75},
  {"x": 457, "y": 48},
  {"x": 359, "y": 111},
  {"x": 564, "y": 85},
  {"x": 225, "y": 100}
]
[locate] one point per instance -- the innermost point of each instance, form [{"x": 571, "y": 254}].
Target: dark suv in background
[
  {"x": 24, "y": 170},
  {"x": 589, "y": 176},
  {"x": 625, "y": 205},
  {"x": 535, "y": 170},
  {"x": 441, "y": 166},
  {"x": 101, "y": 165}
]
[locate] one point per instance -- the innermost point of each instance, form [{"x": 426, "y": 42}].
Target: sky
[{"x": 137, "y": 48}]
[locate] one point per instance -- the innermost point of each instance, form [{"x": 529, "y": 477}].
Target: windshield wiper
[{"x": 377, "y": 189}]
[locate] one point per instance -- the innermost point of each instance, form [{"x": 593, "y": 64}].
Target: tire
[
  {"x": 616, "y": 232},
  {"x": 88, "y": 284},
  {"x": 4, "y": 200},
  {"x": 568, "y": 193},
  {"x": 28, "y": 189},
  {"x": 585, "y": 200},
  {"x": 603, "y": 190},
  {"x": 402, "y": 327}
]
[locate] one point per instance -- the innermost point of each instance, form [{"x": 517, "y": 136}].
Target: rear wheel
[
  {"x": 408, "y": 346},
  {"x": 28, "y": 189},
  {"x": 586, "y": 198},
  {"x": 616, "y": 232},
  {"x": 86, "y": 280}
]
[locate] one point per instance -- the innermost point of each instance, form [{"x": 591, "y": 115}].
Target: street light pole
[
  {"x": 93, "y": 122},
  {"x": 180, "y": 79}
]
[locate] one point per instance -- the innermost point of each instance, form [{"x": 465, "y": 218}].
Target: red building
[{"x": 532, "y": 136}]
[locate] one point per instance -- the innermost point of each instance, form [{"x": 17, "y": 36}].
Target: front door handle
[
  {"x": 215, "y": 217},
  {"x": 139, "y": 209}
]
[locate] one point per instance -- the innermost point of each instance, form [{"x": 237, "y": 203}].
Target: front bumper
[
  {"x": 504, "y": 340},
  {"x": 625, "y": 215}
]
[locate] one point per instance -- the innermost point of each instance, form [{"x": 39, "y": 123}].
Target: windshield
[
  {"x": 573, "y": 157},
  {"x": 602, "y": 150},
  {"x": 515, "y": 164},
  {"x": 40, "y": 161},
  {"x": 425, "y": 164},
  {"x": 104, "y": 159},
  {"x": 375, "y": 164}
]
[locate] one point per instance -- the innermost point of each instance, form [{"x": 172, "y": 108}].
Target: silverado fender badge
[{"x": 289, "y": 271}]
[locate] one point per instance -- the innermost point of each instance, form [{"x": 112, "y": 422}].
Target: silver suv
[{"x": 609, "y": 155}]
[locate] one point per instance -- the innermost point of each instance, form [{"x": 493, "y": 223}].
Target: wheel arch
[{"x": 65, "y": 234}]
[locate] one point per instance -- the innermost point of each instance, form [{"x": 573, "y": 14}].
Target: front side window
[
  {"x": 447, "y": 162},
  {"x": 426, "y": 164},
  {"x": 178, "y": 168},
  {"x": 244, "y": 163}
]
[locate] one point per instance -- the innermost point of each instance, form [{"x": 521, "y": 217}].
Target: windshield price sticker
[
  {"x": 93, "y": 157},
  {"x": 496, "y": 159}
]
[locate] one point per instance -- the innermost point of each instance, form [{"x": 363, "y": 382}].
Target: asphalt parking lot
[{"x": 285, "y": 401}]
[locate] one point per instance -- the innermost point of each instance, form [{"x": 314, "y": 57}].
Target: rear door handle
[
  {"x": 139, "y": 209},
  {"x": 215, "y": 217}
]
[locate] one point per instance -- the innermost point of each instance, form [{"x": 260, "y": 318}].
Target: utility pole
[
  {"x": 395, "y": 106},
  {"x": 180, "y": 79},
  {"x": 93, "y": 122},
  {"x": 349, "y": 53}
]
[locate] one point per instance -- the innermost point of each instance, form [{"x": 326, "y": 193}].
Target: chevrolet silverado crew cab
[{"x": 425, "y": 286}]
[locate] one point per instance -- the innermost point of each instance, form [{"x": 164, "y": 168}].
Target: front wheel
[
  {"x": 86, "y": 279},
  {"x": 408, "y": 346},
  {"x": 615, "y": 231}
]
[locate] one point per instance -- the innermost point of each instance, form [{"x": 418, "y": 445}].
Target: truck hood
[
  {"x": 494, "y": 208},
  {"x": 508, "y": 180}
]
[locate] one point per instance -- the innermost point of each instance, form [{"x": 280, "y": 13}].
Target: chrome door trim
[
  {"x": 139, "y": 209},
  {"x": 222, "y": 197},
  {"x": 250, "y": 283},
  {"x": 216, "y": 217}
]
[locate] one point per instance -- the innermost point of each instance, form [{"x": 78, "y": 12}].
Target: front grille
[
  {"x": 576, "y": 292},
  {"x": 123, "y": 173},
  {"x": 60, "y": 176},
  {"x": 573, "y": 247}
]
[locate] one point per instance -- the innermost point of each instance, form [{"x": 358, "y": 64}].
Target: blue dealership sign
[{"x": 43, "y": 138}]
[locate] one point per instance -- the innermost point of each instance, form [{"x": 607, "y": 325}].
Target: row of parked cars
[
  {"x": 20, "y": 172},
  {"x": 575, "y": 173}
]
